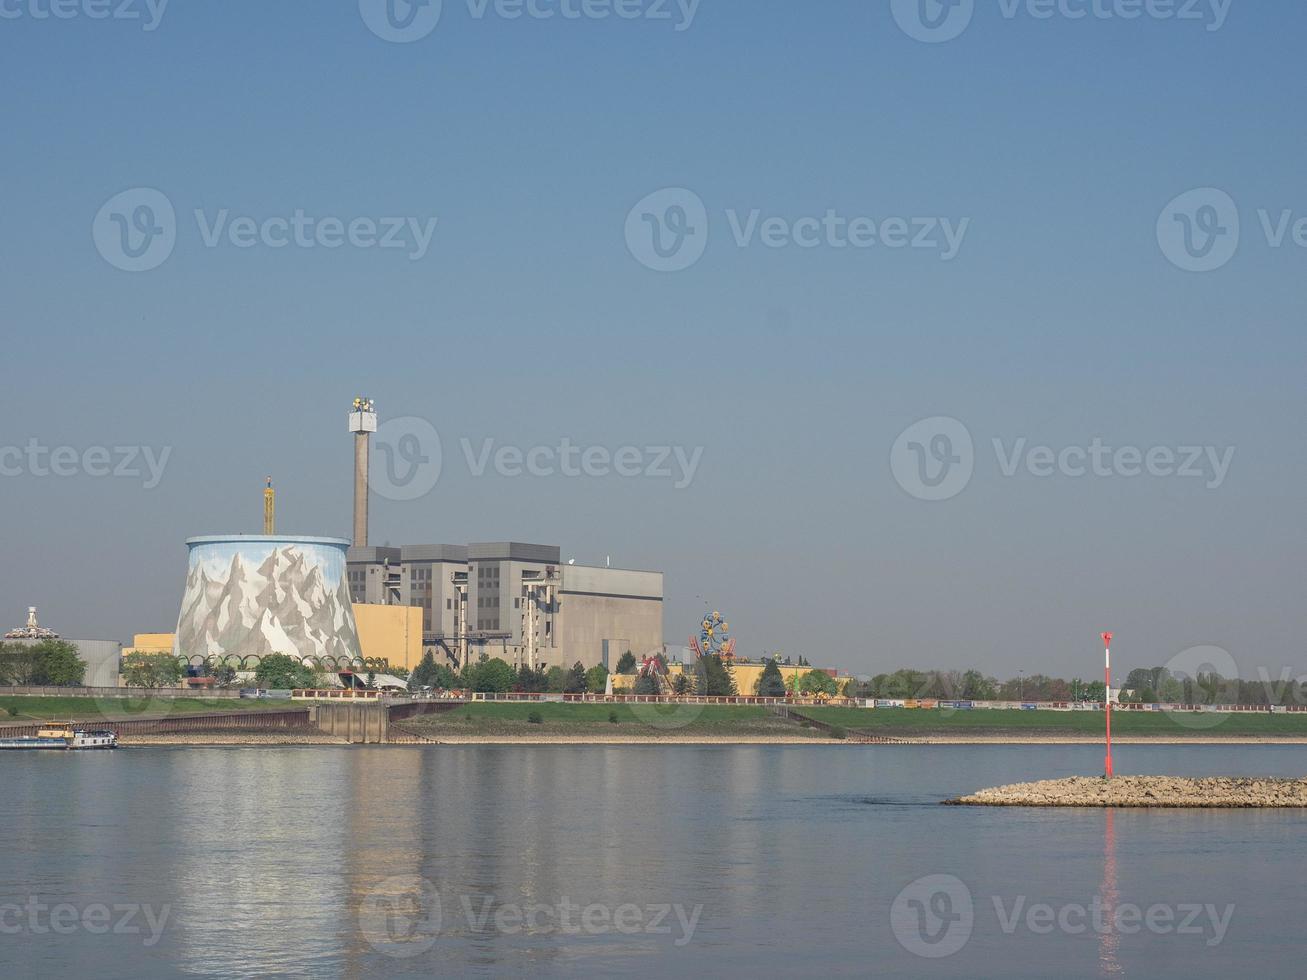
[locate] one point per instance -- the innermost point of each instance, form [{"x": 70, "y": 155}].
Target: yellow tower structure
[{"x": 269, "y": 509}]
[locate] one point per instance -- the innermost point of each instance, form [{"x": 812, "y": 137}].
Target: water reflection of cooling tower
[{"x": 254, "y": 595}]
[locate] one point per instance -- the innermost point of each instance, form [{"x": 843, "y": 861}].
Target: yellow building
[
  {"x": 391, "y": 633},
  {"x": 151, "y": 643},
  {"x": 746, "y": 676}
]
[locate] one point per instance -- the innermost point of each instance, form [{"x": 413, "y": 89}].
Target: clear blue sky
[{"x": 529, "y": 319}]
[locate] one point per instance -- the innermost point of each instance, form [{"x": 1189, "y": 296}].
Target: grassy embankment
[
  {"x": 489, "y": 720},
  {"x": 920, "y": 723},
  {"x": 18, "y": 710},
  {"x": 721, "y": 721}
]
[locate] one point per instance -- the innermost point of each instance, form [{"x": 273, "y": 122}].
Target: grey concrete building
[
  {"x": 514, "y": 600},
  {"x": 103, "y": 659}
]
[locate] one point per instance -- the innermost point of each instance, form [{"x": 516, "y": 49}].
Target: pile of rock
[{"x": 1145, "y": 791}]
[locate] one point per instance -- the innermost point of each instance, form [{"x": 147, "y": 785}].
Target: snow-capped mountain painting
[{"x": 259, "y": 596}]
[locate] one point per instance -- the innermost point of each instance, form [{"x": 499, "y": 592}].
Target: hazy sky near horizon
[{"x": 1047, "y": 286}]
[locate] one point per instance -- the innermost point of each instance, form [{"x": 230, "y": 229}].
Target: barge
[{"x": 63, "y": 738}]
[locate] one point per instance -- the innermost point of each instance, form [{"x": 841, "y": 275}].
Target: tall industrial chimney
[{"x": 362, "y": 422}]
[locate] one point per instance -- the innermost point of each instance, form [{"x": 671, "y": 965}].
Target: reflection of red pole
[{"x": 1107, "y": 697}]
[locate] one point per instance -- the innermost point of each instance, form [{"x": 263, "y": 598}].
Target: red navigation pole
[{"x": 1107, "y": 696}]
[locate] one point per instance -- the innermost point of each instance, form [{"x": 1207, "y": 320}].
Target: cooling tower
[{"x": 249, "y": 595}]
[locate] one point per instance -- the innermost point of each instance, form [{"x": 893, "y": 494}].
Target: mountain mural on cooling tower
[{"x": 283, "y": 605}]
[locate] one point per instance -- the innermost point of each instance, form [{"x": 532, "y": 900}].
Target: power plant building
[{"x": 515, "y": 601}]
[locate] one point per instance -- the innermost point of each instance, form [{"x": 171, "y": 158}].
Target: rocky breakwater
[{"x": 1145, "y": 791}]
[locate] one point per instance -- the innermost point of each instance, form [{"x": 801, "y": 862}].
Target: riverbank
[
  {"x": 296, "y": 737},
  {"x": 303, "y": 737},
  {"x": 1168, "y": 792}
]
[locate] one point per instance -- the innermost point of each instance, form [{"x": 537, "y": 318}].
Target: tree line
[
  {"x": 1150, "y": 685},
  {"x": 45, "y": 663}
]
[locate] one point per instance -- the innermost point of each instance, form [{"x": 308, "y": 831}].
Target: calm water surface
[{"x": 632, "y": 861}]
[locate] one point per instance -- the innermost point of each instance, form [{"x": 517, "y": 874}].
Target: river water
[{"x": 633, "y": 861}]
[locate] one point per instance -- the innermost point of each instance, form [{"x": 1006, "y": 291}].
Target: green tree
[
  {"x": 771, "y": 684},
  {"x": 1138, "y": 679},
  {"x": 151, "y": 670},
  {"x": 977, "y": 687},
  {"x": 494, "y": 676},
  {"x": 556, "y": 679},
  {"x": 49, "y": 663},
  {"x": 16, "y": 663},
  {"x": 596, "y": 679},
  {"x": 817, "y": 682},
  {"x": 58, "y": 664},
  {"x": 646, "y": 684},
  {"x": 530, "y": 681},
  {"x": 626, "y": 663},
  {"x": 859, "y": 689},
  {"x": 424, "y": 674},
  {"x": 713, "y": 679},
  {"x": 575, "y": 683},
  {"x": 280, "y": 672},
  {"x": 682, "y": 685}
]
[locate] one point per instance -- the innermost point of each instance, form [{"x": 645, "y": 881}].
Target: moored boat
[{"x": 62, "y": 737}]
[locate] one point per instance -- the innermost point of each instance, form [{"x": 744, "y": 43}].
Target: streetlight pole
[{"x": 1107, "y": 698}]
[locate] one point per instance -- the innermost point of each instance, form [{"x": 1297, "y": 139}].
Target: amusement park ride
[{"x": 714, "y": 639}]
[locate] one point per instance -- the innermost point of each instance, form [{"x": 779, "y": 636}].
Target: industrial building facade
[{"x": 515, "y": 601}]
